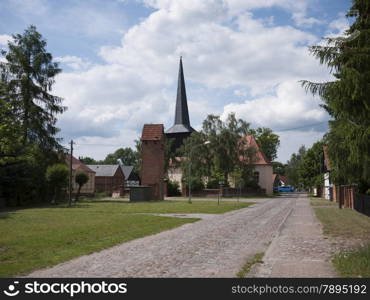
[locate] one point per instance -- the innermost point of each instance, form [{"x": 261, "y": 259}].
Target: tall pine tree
[
  {"x": 31, "y": 76},
  {"x": 347, "y": 98}
]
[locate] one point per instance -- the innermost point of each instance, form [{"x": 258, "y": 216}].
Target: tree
[
  {"x": 268, "y": 141},
  {"x": 88, "y": 160},
  {"x": 31, "y": 71},
  {"x": 311, "y": 167},
  {"x": 278, "y": 168},
  {"x": 126, "y": 155},
  {"x": 27, "y": 114},
  {"x": 346, "y": 98},
  {"x": 227, "y": 150},
  {"x": 80, "y": 178},
  {"x": 293, "y": 166},
  {"x": 57, "y": 176}
]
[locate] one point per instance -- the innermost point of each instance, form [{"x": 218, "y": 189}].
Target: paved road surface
[
  {"x": 300, "y": 250},
  {"x": 216, "y": 246}
]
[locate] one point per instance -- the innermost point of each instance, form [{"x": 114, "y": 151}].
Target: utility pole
[{"x": 70, "y": 175}]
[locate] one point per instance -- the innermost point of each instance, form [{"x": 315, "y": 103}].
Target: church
[{"x": 182, "y": 130}]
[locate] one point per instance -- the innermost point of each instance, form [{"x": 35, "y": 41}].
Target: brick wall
[{"x": 152, "y": 168}]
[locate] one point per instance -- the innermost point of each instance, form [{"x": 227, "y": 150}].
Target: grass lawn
[
  {"x": 35, "y": 238},
  {"x": 167, "y": 206},
  {"x": 346, "y": 223}
]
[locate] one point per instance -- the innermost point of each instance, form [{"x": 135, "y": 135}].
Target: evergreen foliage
[
  {"x": 346, "y": 98},
  {"x": 28, "y": 143}
]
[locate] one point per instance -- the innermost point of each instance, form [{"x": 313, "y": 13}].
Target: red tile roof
[
  {"x": 152, "y": 132},
  {"x": 77, "y": 164},
  {"x": 260, "y": 157}
]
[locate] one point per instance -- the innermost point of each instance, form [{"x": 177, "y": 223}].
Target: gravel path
[
  {"x": 216, "y": 246},
  {"x": 300, "y": 250}
]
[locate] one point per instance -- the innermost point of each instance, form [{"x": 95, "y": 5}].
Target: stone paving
[
  {"x": 216, "y": 246},
  {"x": 300, "y": 250}
]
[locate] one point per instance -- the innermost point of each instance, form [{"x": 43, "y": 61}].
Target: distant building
[
  {"x": 279, "y": 180},
  {"x": 88, "y": 188},
  {"x": 328, "y": 186},
  {"x": 109, "y": 179},
  {"x": 262, "y": 166},
  {"x": 131, "y": 177}
]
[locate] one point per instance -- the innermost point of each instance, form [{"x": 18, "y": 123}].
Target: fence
[
  {"x": 226, "y": 192},
  {"x": 362, "y": 204},
  {"x": 348, "y": 197}
]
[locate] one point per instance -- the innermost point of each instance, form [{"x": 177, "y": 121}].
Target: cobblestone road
[{"x": 216, "y": 246}]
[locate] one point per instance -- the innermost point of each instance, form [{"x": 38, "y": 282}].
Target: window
[{"x": 256, "y": 176}]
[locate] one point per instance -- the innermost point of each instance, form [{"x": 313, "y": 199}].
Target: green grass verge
[
  {"x": 347, "y": 223},
  {"x": 248, "y": 265},
  {"x": 353, "y": 263},
  {"x": 34, "y": 238},
  {"x": 207, "y": 207},
  {"x": 343, "y": 222},
  {"x": 322, "y": 202}
]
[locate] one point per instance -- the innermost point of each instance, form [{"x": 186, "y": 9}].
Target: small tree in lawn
[
  {"x": 57, "y": 176},
  {"x": 80, "y": 179}
]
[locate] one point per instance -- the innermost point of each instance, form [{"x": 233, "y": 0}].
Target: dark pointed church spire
[
  {"x": 181, "y": 112},
  {"x": 182, "y": 121}
]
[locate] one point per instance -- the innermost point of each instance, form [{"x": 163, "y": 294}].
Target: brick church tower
[
  {"x": 152, "y": 167},
  {"x": 181, "y": 129}
]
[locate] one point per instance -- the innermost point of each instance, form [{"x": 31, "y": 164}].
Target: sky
[{"x": 120, "y": 62}]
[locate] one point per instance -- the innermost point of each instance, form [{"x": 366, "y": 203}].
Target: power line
[{"x": 294, "y": 128}]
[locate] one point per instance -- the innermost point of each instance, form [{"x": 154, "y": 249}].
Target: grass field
[
  {"x": 346, "y": 223},
  {"x": 34, "y": 238}
]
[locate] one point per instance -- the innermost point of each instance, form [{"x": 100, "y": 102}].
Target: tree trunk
[{"x": 78, "y": 193}]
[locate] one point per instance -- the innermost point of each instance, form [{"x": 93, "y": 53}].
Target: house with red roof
[
  {"x": 262, "y": 166},
  {"x": 88, "y": 188}
]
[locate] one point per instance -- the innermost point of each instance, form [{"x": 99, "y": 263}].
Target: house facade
[
  {"x": 262, "y": 166},
  {"x": 88, "y": 189},
  {"x": 109, "y": 179}
]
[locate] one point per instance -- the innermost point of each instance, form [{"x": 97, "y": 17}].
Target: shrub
[
  {"x": 57, "y": 177},
  {"x": 81, "y": 178},
  {"x": 173, "y": 188}
]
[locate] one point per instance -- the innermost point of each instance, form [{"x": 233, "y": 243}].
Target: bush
[
  {"x": 57, "y": 177},
  {"x": 173, "y": 188},
  {"x": 196, "y": 184}
]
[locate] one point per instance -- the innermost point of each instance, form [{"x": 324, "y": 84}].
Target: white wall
[{"x": 265, "y": 178}]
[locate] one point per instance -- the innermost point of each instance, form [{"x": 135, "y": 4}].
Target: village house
[
  {"x": 88, "y": 189},
  {"x": 279, "y": 180},
  {"x": 109, "y": 179},
  {"x": 131, "y": 177},
  {"x": 262, "y": 166}
]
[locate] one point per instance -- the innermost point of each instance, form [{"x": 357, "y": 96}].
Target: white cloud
[
  {"x": 338, "y": 26},
  {"x": 74, "y": 62},
  {"x": 223, "y": 46},
  {"x": 301, "y": 20},
  {"x": 289, "y": 107},
  {"x": 4, "y": 39},
  {"x": 290, "y": 141}
]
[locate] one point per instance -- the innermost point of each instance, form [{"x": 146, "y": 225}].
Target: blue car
[{"x": 286, "y": 188}]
